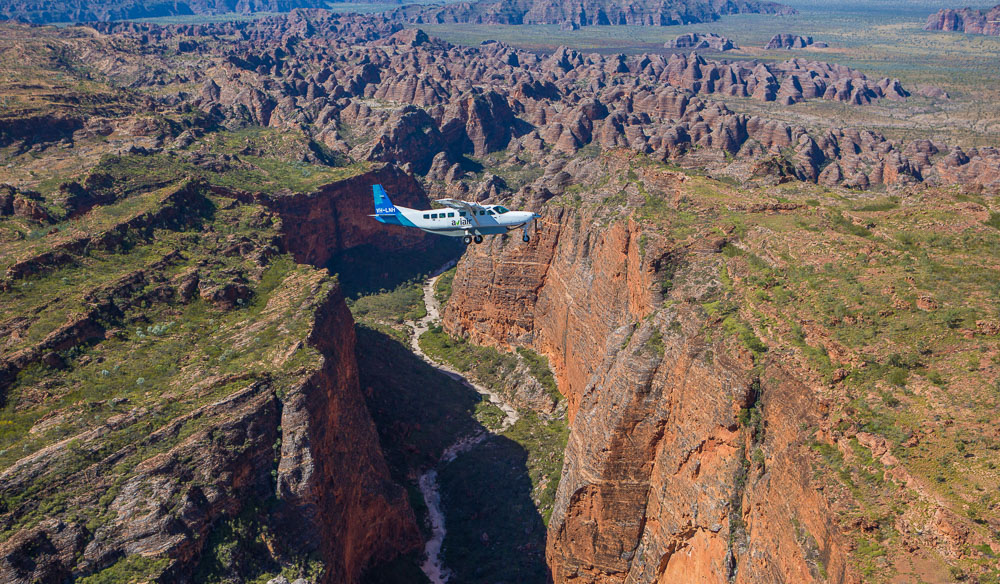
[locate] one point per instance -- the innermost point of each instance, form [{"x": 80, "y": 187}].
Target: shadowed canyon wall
[
  {"x": 319, "y": 225},
  {"x": 332, "y": 467}
]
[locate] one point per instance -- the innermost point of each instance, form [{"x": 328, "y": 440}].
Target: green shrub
[
  {"x": 844, "y": 224},
  {"x": 897, "y": 376},
  {"x": 885, "y": 205},
  {"x": 404, "y": 303},
  {"x": 655, "y": 342},
  {"x": 745, "y": 334}
]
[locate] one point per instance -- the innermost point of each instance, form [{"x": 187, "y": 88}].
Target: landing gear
[
  {"x": 479, "y": 238},
  {"x": 467, "y": 239},
  {"x": 525, "y": 237}
]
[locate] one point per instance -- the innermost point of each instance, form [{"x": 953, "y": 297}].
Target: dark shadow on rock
[
  {"x": 495, "y": 533},
  {"x": 366, "y": 269},
  {"x": 419, "y": 412}
]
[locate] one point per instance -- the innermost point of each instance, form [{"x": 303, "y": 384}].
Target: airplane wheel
[
  {"x": 467, "y": 239},
  {"x": 525, "y": 238},
  {"x": 479, "y": 239}
]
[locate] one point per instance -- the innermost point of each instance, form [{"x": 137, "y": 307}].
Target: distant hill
[
  {"x": 967, "y": 20},
  {"x": 46, "y": 11},
  {"x": 577, "y": 13}
]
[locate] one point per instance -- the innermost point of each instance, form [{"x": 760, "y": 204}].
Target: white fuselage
[{"x": 458, "y": 223}]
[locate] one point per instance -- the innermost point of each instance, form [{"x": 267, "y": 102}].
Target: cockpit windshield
[{"x": 500, "y": 210}]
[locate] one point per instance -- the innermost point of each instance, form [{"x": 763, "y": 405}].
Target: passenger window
[
  {"x": 490, "y": 212},
  {"x": 461, "y": 213},
  {"x": 434, "y": 215},
  {"x": 426, "y": 216},
  {"x": 451, "y": 214}
]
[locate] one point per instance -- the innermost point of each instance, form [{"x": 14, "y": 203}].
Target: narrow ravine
[{"x": 433, "y": 566}]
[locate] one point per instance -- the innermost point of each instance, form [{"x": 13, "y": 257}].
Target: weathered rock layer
[
  {"x": 967, "y": 20},
  {"x": 657, "y": 485}
]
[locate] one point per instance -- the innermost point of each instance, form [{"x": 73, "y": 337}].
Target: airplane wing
[{"x": 463, "y": 206}]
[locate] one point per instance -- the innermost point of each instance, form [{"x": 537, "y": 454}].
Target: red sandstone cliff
[
  {"x": 332, "y": 470},
  {"x": 317, "y": 226},
  {"x": 657, "y": 484}
]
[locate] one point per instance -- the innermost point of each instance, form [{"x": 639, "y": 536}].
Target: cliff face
[
  {"x": 191, "y": 403},
  {"x": 518, "y": 294},
  {"x": 967, "y": 20},
  {"x": 657, "y": 484},
  {"x": 332, "y": 470},
  {"x": 319, "y": 225}
]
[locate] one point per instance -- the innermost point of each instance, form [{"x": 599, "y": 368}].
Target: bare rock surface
[
  {"x": 967, "y": 20},
  {"x": 590, "y": 12}
]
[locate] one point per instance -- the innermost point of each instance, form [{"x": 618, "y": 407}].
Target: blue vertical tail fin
[
  {"x": 383, "y": 206},
  {"x": 385, "y": 211}
]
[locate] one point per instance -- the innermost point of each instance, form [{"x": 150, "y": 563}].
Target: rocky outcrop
[
  {"x": 45, "y": 11},
  {"x": 332, "y": 468},
  {"x": 967, "y": 20},
  {"x": 291, "y": 444},
  {"x": 792, "y": 41},
  {"x": 698, "y": 41},
  {"x": 337, "y": 498},
  {"x": 590, "y": 12},
  {"x": 410, "y": 136},
  {"x": 478, "y": 124},
  {"x": 362, "y": 88},
  {"x": 656, "y": 484},
  {"x": 285, "y": 437}
]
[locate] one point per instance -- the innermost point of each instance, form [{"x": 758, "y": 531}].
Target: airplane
[{"x": 470, "y": 221}]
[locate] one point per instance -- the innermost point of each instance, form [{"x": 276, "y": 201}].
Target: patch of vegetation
[
  {"x": 747, "y": 337},
  {"x": 655, "y": 342},
  {"x": 544, "y": 441},
  {"x": 866, "y": 555},
  {"x": 883, "y": 205},
  {"x": 442, "y": 288},
  {"x": 134, "y": 569},
  {"x": 488, "y": 365},
  {"x": 817, "y": 356},
  {"x": 237, "y": 549},
  {"x": 538, "y": 366},
  {"x": 841, "y": 223},
  {"x": 248, "y": 173},
  {"x": 405, "y": 302}
]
